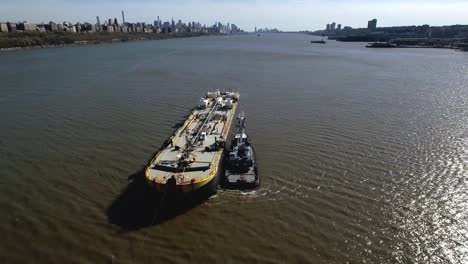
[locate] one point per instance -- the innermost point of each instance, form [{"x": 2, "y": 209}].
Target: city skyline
[{"x": 287, "y": 15}]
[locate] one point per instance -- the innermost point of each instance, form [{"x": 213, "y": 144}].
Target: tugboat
[{"x": 241, "y": 170}]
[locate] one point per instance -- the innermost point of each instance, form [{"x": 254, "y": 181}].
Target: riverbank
[
  {"x": 454, "y": 44},
  {"x": 393, "y": 41},
  {"x": 33, "y": 40}
]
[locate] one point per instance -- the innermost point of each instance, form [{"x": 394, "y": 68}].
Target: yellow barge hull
[{"x": 187, "y": 188}]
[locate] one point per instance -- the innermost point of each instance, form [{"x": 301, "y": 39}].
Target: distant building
[
  {"x": 70, "y": 29},
  {"x": 234, "y": 28},
  {"x": 166, "y": 27},
  {"x": 98, "y": 21},
  {"x": 372, "y": 24},
  {"x": 328, "y": 27},
  {"x": 123, "y": 18},
  {"x": 53, "y": 27},
  {"x": 3, "y": 27},
  {"x": 159, "y": 23},
  {"x": 86, "y": 27},
  {"x": 11, "y": 27},
  {"x": 338, "y": 27},
  {"x": 41, "y": 28},
  {"x": 333, "y": 26}
]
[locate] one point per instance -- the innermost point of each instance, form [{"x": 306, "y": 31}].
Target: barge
[{"x": 191, "y": 159}]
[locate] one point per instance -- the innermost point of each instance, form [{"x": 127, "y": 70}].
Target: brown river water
[{"x": 363, "y": 152}]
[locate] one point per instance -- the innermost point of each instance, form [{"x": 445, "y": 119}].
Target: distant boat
[
  {"x": 318, "y": 42},
  {"x": 258, "y": 35},
  {"x": 322, "y": 41},
  {"x": 381, "y": 45}
]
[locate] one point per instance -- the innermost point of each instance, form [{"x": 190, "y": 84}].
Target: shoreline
[
  {"x": 79, "y": 43},
  {"x": 392, "y": 45}
]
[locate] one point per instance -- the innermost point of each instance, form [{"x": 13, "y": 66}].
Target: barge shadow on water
[{"x": 139, "y": 206}]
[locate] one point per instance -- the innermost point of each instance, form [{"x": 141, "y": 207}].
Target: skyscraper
[
  {"x": 338, "y": 27},
  {"x": 98, "y": 21},
  {"x": 372, "y": 24},
  {"x": 333, "y": 26},
  {"x": 328, "y": 27},
  {"x": 123, "y": 17}
]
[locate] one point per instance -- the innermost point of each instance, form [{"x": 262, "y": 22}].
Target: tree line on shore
[{"x": 35, "y": 39}]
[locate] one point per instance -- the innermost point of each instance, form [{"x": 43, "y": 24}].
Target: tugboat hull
[{"x": 248, "y": 180}]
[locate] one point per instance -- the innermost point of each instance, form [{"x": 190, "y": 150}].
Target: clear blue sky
[{"x": 285, "y": 15}]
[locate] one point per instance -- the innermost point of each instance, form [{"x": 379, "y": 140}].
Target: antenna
[{"x": 241, "y": 123}]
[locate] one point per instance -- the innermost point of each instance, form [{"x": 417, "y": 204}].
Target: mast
[{"x": 241, "y": 122}]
